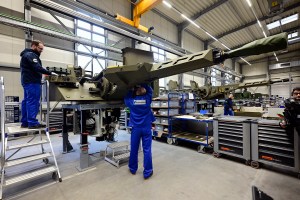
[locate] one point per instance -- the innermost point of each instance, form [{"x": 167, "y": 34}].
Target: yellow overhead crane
[{"x": 140, "y": 8}]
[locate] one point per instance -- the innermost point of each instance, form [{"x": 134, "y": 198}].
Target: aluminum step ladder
[
  {"x": 35, "y": 139},
  {"x": 116, "y": 152}
]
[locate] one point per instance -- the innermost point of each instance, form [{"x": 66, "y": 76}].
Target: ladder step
[
  {"x": 18, "y": 129},
  {"x": 29, "y": 175},
  {"x": 19, "y": 161},
  {"x": 122, "y": 156},
  {"x": 118, "y": 145},
  {"x": 17, "y": 146}
]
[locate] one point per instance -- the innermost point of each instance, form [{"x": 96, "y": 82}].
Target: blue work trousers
[
  {"x": 30, "y": 104},
  {"x": 136, "y": 134},
  {"x": 229, "y": 112}
]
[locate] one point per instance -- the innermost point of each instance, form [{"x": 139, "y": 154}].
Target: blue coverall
[
  {"x": 31, "y": 76},
  {"x": 141, "y": 118},
  {"x": 228, "y": 110}
]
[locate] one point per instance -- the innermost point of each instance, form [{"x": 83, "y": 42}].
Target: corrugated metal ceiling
[{"x": 230, "y": 15}]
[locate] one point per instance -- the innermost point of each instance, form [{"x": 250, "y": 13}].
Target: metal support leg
[
  {"x": 85, "y": 161},
  {"x": 67, "y": 147}
]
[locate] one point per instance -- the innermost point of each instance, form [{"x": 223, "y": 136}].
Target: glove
[{"x": 54, "y": 74}]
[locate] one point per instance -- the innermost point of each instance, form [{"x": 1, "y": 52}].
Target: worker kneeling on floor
[{"x": 139, "y": 101}]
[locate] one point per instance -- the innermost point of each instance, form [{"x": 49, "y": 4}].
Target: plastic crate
[
  {"x": 171, "y": 103},
  {"x": 155, "y": 104},
  {"x": 159, "y": 128},
  {"x": 190, "y": 110},
  {"x": 164, "y": 120},
  {"x": 157, "y": 120},
  {"x": 164, "y": 112}
]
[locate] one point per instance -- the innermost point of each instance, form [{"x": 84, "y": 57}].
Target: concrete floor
[{"x": 179, "y": 173}]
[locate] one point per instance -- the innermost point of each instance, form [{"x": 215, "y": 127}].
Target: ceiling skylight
[{"x": 283, "y": 21}]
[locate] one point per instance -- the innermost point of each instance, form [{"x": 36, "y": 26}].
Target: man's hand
[
  {"x": 282, "y": 124},
  {"x": 54, "y": 74}
]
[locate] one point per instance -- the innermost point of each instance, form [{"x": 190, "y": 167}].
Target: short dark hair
[
  {"x": 36, "y": 42},
  {"x": 296, "y": 88}
]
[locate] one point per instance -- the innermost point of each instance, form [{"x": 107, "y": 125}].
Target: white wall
[
  {"x": 253, "y": 70},
  {"x": 191, "y": 43},
  {"x": 56, "y": 58},
  {"x": 12, "y": 83},
  {"x": 10, "y": 50},
  {"x": 112, "y": 7},
  {"x": 237, "y": 67},
  {"x": 17, "y": 5},
  {"x": 228, "y": 63}
]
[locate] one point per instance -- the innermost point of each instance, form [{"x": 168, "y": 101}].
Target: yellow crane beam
[{"x": 140, "y": 8}]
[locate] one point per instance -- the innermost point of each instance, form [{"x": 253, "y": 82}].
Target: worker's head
[
  {"x": 139, "y": 90},
  {"x": 296, "y": 93},
  {"x": 37, "y": 46},
  {"x": 231, "y": 96}
]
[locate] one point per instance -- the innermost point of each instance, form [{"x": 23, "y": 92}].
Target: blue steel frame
[
  {"x": 170, "y": 95},
  {"x": 199, "y": 120}
]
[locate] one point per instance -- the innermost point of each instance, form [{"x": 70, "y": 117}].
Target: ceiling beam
[
  {"x": 185, "y": 24},
  {"x": 291, "y": 7}
]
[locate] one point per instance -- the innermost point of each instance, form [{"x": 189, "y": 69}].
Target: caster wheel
[
  {"x": 54, "y": 176},
  {"x": 255, "y": 164},
  {"x": 175, "y": 141},
  {"x": 46, "y": 160},
  {"x": 169, "y": 140},
  {"x": 248, "y": 162},
  {"x": 154, "y": 138},
  {"x": 216, "y": 155},
  {"x": 60, "y": 180},
  {"x": 201, "y": 149}
]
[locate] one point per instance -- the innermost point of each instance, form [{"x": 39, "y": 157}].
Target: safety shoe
[
  {"x": 37, "y": 126},
  {"x": 133, "y": 173},
  {"x": 148, "y": 176}
]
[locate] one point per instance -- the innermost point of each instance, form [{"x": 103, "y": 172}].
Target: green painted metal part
[{"x": 114, "y": 82}]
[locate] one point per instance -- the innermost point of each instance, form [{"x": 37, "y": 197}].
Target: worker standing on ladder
[
  {"x": 141, "y": 117},
  {"x": 31, "y": 76}
]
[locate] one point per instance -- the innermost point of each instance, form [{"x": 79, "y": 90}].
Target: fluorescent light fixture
[
  {"x": 249, "y": 3},
  {"x": 259, "y": 23},
  {"x": 275, "y": 56},
  {"x": 273, "y": 25},
  {"x": 225, "y": 46},
  {"x": 245, "y": 61},
  {"x": 167, "y": 4},
  {"x": 211, "y": 36},
  {"x": 294, "y": 34},
  {"x": 264, "y": 34},
  {"x": 192, "y": 22},
  {"x": 289, "y": 19},
  {"x": 290, "y": 40}
]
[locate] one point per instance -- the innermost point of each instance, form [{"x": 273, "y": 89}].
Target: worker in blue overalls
[
  {"x": 228, "y": 109},
  {"x": 141, "y": 117},
  {"x": 31, "y": 76}
]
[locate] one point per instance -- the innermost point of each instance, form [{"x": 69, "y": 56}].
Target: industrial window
[
  {"x": 158, "y": 54},
  {"x": 213, "y": 77},
  {"x": 228, "y": 78},
  {"x": 283, "y": 21},
  {"x": 91, "y": 59}
]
